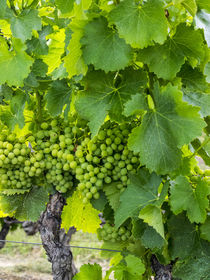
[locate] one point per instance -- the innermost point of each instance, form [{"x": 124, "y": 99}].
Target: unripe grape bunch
[{"x": 62, "y": 154}]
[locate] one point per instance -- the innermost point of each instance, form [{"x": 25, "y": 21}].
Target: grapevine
[{"x": 104, "y": 111}]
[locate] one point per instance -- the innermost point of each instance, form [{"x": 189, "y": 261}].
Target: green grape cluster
[
  {"x": 105, "y": 159},
  {"x": 62, "y": 155},
  {"x": 13, "y": 155},
  {"x": 113, "y": 234}
]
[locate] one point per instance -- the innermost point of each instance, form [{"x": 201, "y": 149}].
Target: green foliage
[
  {"x": 164, "y": 129},
  {"x": 108, "y": 103},
  {"x": 195, "y": 202},
  {"x": 27, "y": 206},
  {"x": 99, "y": 48},
  {"x": 141, "y": 29}
]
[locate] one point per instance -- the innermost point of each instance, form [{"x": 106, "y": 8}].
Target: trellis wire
[{"x": 71, "y": 246}]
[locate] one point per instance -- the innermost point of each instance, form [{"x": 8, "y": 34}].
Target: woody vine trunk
[{"x": 55, "y": 240}]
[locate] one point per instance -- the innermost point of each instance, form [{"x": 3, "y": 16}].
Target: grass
[{"x": 31, "y": 259}]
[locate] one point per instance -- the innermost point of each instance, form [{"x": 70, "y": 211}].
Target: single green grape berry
[
  {"x": 44, "y": 126},
  {"x": 89, "y": 195},
  {"x": 9, "y": 147},
  {"x": 93, "y": 190},
  {"x": 73, "y": 164}
]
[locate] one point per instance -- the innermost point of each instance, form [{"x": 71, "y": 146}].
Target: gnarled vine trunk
[
  {"x": 55, "y": 240},
  {"x": 3, "y": 234},
  {"x": 162, "y": 272}
]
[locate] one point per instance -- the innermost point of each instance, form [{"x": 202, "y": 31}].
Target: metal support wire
[{"x": 71, "y": 246}]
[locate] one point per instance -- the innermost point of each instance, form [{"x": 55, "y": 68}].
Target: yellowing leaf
[
  {"x": 82, "y": 216},
  {"x": 56, "y": 49},
  {"x": 74, "y": 62},
  {"x": 2, "y": 214}
]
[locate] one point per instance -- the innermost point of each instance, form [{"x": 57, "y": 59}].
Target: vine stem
[{"x": 199, "y": 148}]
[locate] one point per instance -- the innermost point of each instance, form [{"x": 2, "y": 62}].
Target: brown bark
[
  {"x": 30, "y": 228},
  {"x": 162, "y": 272},
  {"x": 55, "y": 241},
  {"x": 3, "y": 234}
]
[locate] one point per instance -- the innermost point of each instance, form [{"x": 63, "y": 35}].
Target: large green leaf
[
  {"x": 103, "y": 48},
  {"x": 202, "y": 20},
  {"x": 89, "y": 271},
  {"x": 102, "y": 96},
  {"x": 13, "y": 114},
  {"x": 152, "y": 215},
  {"x": 131, "y": 269},
  {"x": 27, "y": 206},
  {"x": 14, "y": 65},
  {"x": 65, "y": 6},
  {"x": 164, "y": 129},
  {"x": 151, "y": 239},
  {"x": 205, "y": 229},
  {"x": 193, "y": 269},
  {"x": 137, "y": 23},
  {"x": 142, "y": 191},
  {"x": 204, "y": 4},
  {"x": 195, "y": 202},
  {"x": 112, "y": 194},
  {"x": 183, "y": 237},
  {"x": 23, "y": 24},
  {"x": 57, "y": 96},
  {"x": 3, "y": 5},
  {"x": 166, "y": 60}
]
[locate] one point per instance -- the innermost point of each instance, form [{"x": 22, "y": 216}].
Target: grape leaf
[
  {"x": 23, "y": 24},
  {"x": 14, "y": 114},
  {"x": 27, "y": 206},
  {"x": 103, "y": 48},
  {"x": 205, "y": 229},
  {"x": 202, "y": 20},
  {"x": 13, "y": 191},
  {"x": 74, "y": 62},
  {"x": 112, "y": 194},
  {"x": 207, "y": 72},
  {"x": 193, "y": 269},
  {"x": 136, "y": 105},
  {"x": 5, "y": 92},
  {"x": 204, "y": 4},
  {"x": 3, "y": 6},
  {"x": 142, "y": 191},
  {"x": 134, "y": 265},
  {"x": 195, "y": 88},
  {"x": 82, "y": 216},
  {"x": 59, "y": 73},
  {"x": 184, "y": 197},
  {"x": 151, "y": 239},
  {"x": 89, "y": 271},
  {"x": 65, "y": 6},
  {"x": 153, "y": 217},
  {"x": 38, "y": 46},
  {"x": 137, "y": 24},
  {"x": 131, "y": 270},
  {"x": 199, "y": 99},
  {"x": 163, "y": 130},
  {"x": 56, "y": 49},
  {"x": 101, "y": 95},
  {"x": 14, "y": 65},
  {"x": 166, "y": 60},
  {"x": 181, "y": 232},
  {"x": 190, "y": 6},
  {"x": 193, "y": 79},
  {"x": 57, "y": 96}
]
